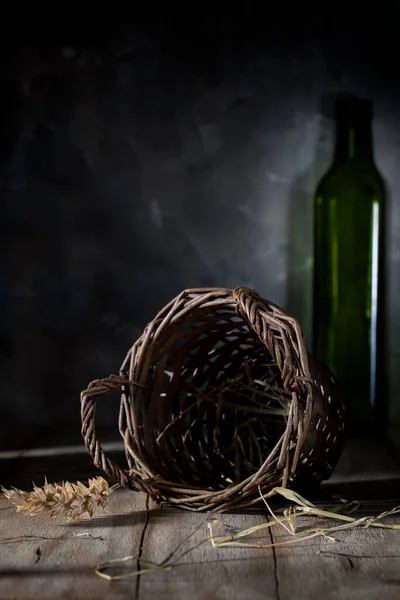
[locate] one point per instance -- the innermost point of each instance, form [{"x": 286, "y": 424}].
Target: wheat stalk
[{"x": 71, "y": 500}]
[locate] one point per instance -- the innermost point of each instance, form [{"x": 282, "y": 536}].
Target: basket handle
[
  {"x": 89, "y": 397},
  {"x": 261, "y": 317}
]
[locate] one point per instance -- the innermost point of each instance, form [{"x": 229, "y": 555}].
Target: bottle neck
[{"x": 353, "y": 141}]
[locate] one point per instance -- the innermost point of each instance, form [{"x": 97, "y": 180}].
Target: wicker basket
[{"x": 219, "y": 400}]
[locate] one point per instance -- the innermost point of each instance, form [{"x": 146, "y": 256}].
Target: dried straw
[{"x": 223, "y": 536}]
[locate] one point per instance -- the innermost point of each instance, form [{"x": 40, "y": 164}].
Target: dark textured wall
[{"x": 142, "y": 159}]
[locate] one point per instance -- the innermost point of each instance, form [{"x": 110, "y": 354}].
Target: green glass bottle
[{"x": 348, "y": 264}]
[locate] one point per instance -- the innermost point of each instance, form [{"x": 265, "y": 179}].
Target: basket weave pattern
[{"x": 219, "y": 400}]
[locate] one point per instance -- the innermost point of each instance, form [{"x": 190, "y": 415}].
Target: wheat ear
[{"x": 71, "y": 500}]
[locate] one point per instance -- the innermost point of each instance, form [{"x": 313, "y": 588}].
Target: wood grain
[
  {"x": 55, "y": 561},
  {"x": 205, "y": 573},
  {"x": 47, "y": 559},
  {"x": 68, "y": 559}
]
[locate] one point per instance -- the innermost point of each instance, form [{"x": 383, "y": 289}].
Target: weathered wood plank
[
  {"x": 59, "y": 562},
  {"x": 64, "y": 565},
  {"x": 206, "y": 572},
  {"x": 314, "y": 569},
  {"x": 362, "y": 564}
]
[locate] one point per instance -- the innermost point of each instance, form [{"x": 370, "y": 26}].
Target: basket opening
[{"x": 220, "y": 406}]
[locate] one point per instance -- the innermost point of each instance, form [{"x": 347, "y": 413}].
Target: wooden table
[{"x": 50, "y": 559}]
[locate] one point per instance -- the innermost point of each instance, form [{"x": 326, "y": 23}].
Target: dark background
[{"x": 144, "y": 155}]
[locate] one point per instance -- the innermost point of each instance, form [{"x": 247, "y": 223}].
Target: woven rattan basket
[{"x": 220, "y": 400}]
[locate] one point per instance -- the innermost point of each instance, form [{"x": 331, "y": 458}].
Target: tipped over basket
[{"x": 220, "y": 401}]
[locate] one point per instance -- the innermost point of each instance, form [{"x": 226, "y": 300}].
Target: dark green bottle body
[{"x": 348, "y": 265}]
